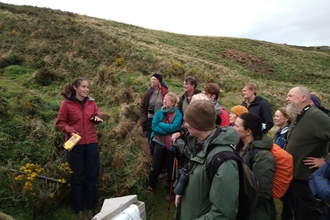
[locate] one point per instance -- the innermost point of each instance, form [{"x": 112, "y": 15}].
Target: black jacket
[{"x": 261, "y": 107}]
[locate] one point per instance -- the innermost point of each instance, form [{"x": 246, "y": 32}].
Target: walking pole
[
  {"x": 175, "y": 164},
  {"x": 38, "y": 176}
]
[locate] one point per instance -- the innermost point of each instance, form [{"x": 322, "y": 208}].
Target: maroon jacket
[{"x": 72, "y": 118}]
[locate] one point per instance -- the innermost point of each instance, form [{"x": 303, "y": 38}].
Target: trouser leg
[
  {"x": 92, "y": 169},
  {"x": 158, "y": 160},
  {"x": 75, "y": 158},
  {"x": 306, "y": 204}
]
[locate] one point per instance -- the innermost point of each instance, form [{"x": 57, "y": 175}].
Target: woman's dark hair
[
  {"x": 254, "y": 123},
  {"x": 191, "y": 80},
  {"x": 68, "y": 89}
]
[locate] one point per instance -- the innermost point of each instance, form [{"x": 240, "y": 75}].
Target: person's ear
[{"x": 248, "y": 131}]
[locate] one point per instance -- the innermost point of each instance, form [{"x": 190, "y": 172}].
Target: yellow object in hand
[{"x": 72, "y": 142}]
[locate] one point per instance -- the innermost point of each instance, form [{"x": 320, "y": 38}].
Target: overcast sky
[{"x": 295, "y": 22}]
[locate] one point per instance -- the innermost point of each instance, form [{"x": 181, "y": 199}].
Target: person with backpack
[
  {"x": 196, "y": 196},
  {"x": 257, "y": 105},
  {"x": 308, "y": 136},
  {"x": 249, "y": 129},
  {"x": 283, "y": 121},
  {"x": 212, "y": 92}
]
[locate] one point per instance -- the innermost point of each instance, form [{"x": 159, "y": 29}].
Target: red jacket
[
  {"x": 72, "y": 118},
  {"x": 225, "y": 121}
]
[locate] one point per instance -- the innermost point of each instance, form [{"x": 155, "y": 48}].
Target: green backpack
[{"x": 248, "y": 185}]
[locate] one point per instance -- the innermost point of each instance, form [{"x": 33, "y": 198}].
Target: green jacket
[
  {"x": 202, "y": 200},
  {"x": 307, "y": 138},
  {"x": 263, "y": 167}
]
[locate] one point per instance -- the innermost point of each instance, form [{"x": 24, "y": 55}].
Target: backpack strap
[
  {"x": 211, "y": 147},
  {"x": 250, "y": 161},
  {"x": 218, "y": 159},
  {"x": 222, "y": 157}
]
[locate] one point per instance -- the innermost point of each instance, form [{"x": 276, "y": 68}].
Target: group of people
[
  {"x": 188, "y": 126},
  {"x": 303, "y": 131}
]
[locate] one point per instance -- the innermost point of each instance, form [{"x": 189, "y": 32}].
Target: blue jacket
[
  {"x": 280, "y": 136},
  {"x": 319, "y": 185},
  {"x": 165, "y": 128},
  {"x": 319, "y": 182}
]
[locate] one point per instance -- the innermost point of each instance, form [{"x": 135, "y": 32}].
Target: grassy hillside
[{"x": 42, "y": 49}]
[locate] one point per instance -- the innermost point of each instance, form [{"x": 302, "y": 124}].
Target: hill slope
[{"x": 41, "y": 49}]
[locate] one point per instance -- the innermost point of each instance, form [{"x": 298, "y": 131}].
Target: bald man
[{"x": 308, "y": 136}]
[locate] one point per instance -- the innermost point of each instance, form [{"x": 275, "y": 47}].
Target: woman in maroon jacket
[{"x": 78, "y": 114}]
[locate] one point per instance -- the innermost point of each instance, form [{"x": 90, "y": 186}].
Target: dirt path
[{"x": 145, "y": 145}]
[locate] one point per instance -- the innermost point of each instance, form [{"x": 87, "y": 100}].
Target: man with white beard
[{"x": 308, "y": 136}]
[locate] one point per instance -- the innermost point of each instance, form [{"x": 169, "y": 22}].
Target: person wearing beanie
[
  {"x": 158, "y": 76},
  {"x": 201, "y": 115},
  {"x": 235, "y": 112},
  {"x": 199, "y": 142},
  {"x": 151, "y": 102},
  {"x": 316, "y": 98},
  {"x": 315, "y": 101}
]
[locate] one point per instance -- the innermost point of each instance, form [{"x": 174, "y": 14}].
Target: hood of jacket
[
  {"x": 284, "y": 130},
  {"x": 227, "y": 137},
  {"x": 257, "y": 100},
  {"x": 151, "y": 89},
  {"x": 265, "y": 143},
  {"x": 218, "y": 108}
]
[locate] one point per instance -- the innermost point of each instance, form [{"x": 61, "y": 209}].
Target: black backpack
[{"x": 248, "y": 187}]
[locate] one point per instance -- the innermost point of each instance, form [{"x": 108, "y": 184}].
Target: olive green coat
[{"x": 202, "y": 200}]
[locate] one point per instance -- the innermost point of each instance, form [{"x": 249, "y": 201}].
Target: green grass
[{"x": 42, "y": 49}]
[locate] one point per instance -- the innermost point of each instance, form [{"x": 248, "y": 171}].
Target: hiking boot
[
  {"x": 162, "y": 176},
  {"x": 90, "y": 214},
  {"x": 149, "y": 189},
  {"x": 80, "y": 215}
]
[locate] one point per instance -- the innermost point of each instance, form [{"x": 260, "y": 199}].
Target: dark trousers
[
  {"x": 306, "y": 205},
  {"x": 84, "y": 161},
  {"x": 288, "y": 204},
  {"x": 149, "y": 131},
  {"x": 160, "y": 157}
]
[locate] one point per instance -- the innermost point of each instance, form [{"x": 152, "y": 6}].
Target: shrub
[
  {"x": 120, "y": 62},
  {"x": 45, "y": 76},
  {"x": 40, "y": 193},
  {"x": 12, "y": 59},
  {"x": 13, "y": 33}
]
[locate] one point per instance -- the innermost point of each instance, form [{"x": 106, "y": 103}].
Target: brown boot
[
  {"x": 90, "y": 214},
  {"x": 80, "y": 215},
  {"x": 162, "y": 176}
]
